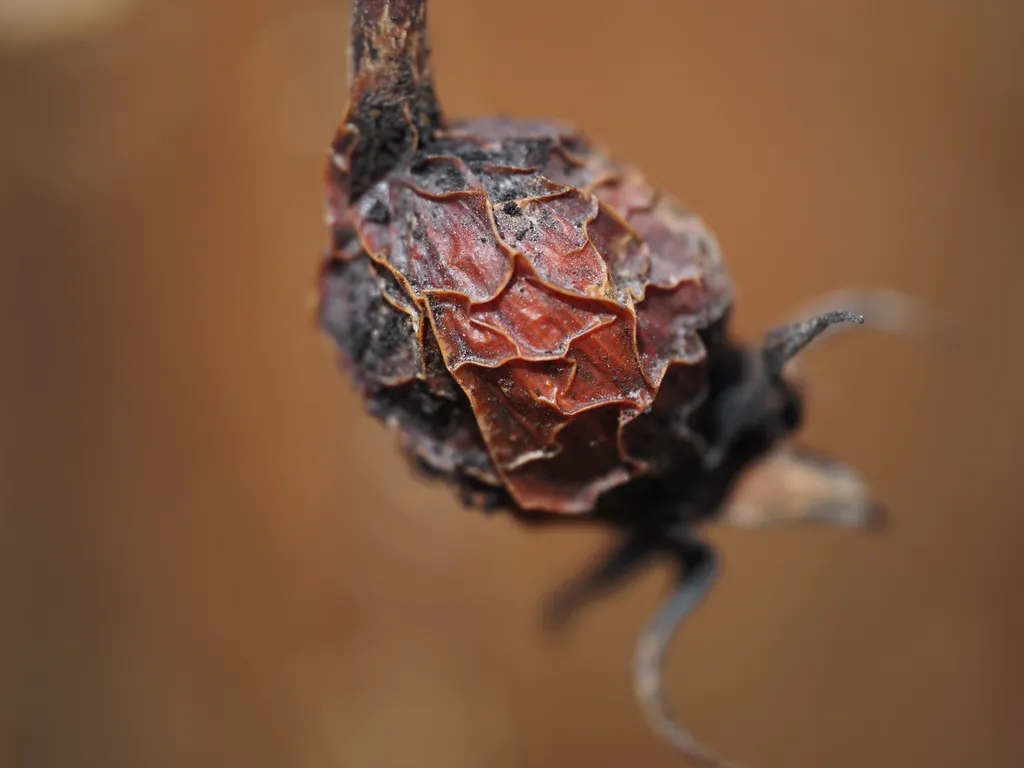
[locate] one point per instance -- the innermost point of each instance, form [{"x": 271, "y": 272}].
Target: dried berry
[{"x": 549, "y": 333}]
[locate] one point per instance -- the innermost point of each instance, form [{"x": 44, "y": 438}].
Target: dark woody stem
[
  {"x": 389, "y": 33},
  {"x": 392, "y": 107}
]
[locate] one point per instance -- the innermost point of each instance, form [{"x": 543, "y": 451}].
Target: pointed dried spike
[
  {"x": 782, "y": 344},
  {"x": 891, "y": 311}
]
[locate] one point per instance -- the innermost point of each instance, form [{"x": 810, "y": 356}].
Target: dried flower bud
[{"x": 545, "y": 330}]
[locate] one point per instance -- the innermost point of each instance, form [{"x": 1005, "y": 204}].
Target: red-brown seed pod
[{"x": 548, "y": 333}]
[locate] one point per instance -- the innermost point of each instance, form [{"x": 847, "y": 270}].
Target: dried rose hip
[{"x": 549, "y": 334}]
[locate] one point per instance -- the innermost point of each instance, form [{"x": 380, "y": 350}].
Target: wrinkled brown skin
[
  {"x": 558, "y": 291},
  {"x": 540, "y": 298},
  {"x": 542, "y": 328}
]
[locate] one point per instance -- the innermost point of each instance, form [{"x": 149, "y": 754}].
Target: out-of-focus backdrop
[{"x": 213, "y": 558}]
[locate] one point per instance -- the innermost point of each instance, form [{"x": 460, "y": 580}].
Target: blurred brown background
[{"x": 213, "y": 558}]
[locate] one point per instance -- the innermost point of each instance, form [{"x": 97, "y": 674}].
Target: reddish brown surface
[{"x": 560, "y": 289}]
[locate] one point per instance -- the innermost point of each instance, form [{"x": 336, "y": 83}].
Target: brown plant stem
[{"x": 392, "y": 107}]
